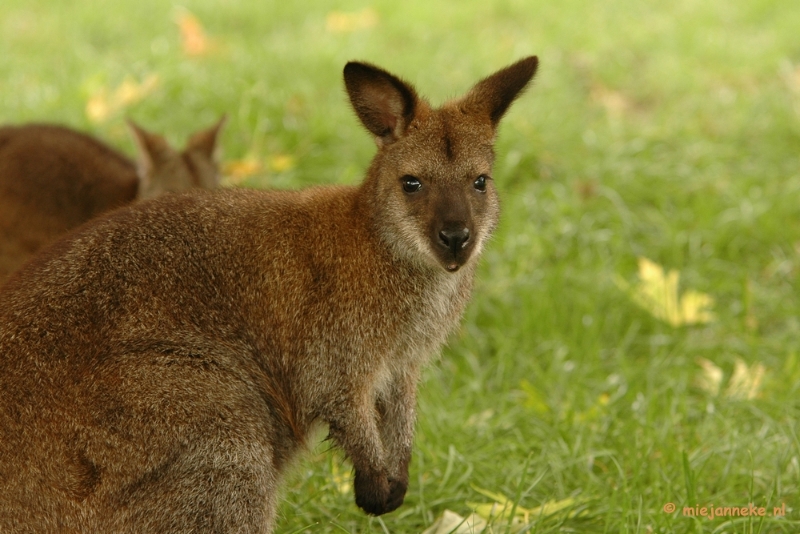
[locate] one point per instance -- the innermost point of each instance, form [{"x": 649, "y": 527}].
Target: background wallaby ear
[
  {"x": 493, "y": 95},
  {"x": 206, "y": 140},
  {"x": 384, "y": 103},
  {"x": 152, "y": 148}
]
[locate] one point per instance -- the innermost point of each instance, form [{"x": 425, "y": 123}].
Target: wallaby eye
[
  {"x": 480, "y": 183},
  {"x": 411, "y": 184}
]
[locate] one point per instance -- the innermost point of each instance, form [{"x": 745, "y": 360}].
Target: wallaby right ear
[
  {"x": 384, "y": 103},
  {"x": 206, "y": 140},
  {"x": 152, "y": 149},
  {"x": 492, "y": 96}
]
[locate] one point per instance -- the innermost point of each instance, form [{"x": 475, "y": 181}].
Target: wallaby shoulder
[{"x": 53, "y": 178}]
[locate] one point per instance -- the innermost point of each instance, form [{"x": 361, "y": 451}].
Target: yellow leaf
[
  {"x": 281, "y": 162},
  {"x": 499, "y": 497},
  {"x": 347, "y": 22},
  {"x": 695, "y": 308},
  {"x": 103, "y": 103},
  {"x": 98, "y": 108},
  {"x": 657, "y": 292},
  {"x": 614, "y": 102},
  {"x": 501, "y": 509},
  {"x": 452, "y": 523},
  {"x": 551, "y": 507},
  {"x": 746, "y": 381},
  {"x": 243, "y": 168},
  {"x": 710, "y": 378},
  {"x": 193, "y": 37}
]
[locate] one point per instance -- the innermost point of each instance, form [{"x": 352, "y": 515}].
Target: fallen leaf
[
  {"x": 745, "y": 383},
  {"x": 614, "y": 102},
  {"x": 502, "y": 508},
  {"x": 657, "y": 292},
  {"x": 480, "y": 419},
  {"x": 193, "y": 37},
  {"x": 746, "y": 380},
  {"x": 281, "y": 162},
  {"x": 238, "y": 170},
  {"x": 791, "y": 75},
  {"x": 710, "y": 378},
  {"x": 348, "y": 22},
  {"x": 104, "y": 103},
  {"x": 452, "y": 523}
]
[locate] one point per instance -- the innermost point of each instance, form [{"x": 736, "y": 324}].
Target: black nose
[{"x": 454, "y": 239}]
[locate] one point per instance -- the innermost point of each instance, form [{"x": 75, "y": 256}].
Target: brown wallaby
[
  {"x": 161, "y": 367},
  {"x": 53, "y": 179}
]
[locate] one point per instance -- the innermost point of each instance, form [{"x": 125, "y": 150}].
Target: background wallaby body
[
  {"x": 53, "y": 179},
  {"x": 162, "y": 366}
]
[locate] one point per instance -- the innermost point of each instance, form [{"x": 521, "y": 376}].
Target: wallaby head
[
  {"x": 163, "y": 169},
  {"x": 431, "y": 181}
]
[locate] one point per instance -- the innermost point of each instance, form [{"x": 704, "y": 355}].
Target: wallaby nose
[{"x": 454, "y": 239}]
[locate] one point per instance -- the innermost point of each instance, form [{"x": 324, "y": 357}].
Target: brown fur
[
  {"x": 161, "y": 367},
  {"x": 53, "y": 179}
]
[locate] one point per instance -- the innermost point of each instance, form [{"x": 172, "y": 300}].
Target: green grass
[{"x": 662, "y": 130}]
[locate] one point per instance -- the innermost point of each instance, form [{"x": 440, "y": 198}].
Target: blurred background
[{"x": 633, "y": 337}]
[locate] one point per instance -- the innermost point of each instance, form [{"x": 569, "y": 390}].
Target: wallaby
[
  {"x": 53, "y": 179},
  {"x": 161, "y": 367}
]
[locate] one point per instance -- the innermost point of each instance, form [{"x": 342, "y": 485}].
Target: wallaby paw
[
  {"x": 397, "y": 493},
  {"x": 379, "y": 494}
]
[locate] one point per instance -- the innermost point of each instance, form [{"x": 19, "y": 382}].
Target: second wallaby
[
  {"x": 161, "y": 367},
  {"x": 53, "y": 179}
]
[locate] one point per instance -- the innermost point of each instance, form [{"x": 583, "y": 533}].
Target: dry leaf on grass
[
  {"x": 710, "y": 377},
  {"x": 237, "y": 171},
  {"x": 194, "y": 40},
  {"x": 452, "y": 523},
  {"x": 657, "y": 292},
  {"x": 614, "y": 102},
  {"x": 745, "y": 383},
  {"x": 746, "y": 380},
  {"x": 104, "y": 103},
  {"x": 502, "y": 509},
  {"x": 348, "y": 22},
  {"x": 280, "y": 162}
]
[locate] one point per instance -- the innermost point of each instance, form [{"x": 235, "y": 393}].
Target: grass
[{"x": 669, "y": 131}]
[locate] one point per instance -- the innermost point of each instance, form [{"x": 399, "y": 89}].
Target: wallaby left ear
[
  {"x": 492, "y": 96},
  {"x": 152, "y": 149},
  {"x": 206, "y": 140},
  {"x": 385, "y": 104}
]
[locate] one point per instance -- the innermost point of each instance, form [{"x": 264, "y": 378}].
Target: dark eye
[
  {"x": 411, "y": 184},
  {"x": 480, "y": 183}
]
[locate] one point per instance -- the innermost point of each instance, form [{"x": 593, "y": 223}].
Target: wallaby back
[
  {"x": 162, "y": 366},
  {"x": 53, "y": 179}
]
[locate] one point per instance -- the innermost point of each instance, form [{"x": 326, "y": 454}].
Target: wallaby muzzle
[{"x": 453, "y": 240}]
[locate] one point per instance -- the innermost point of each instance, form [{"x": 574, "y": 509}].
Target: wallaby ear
[
  {"x": 206, "y": 140},
  {"x": 384, "y": 103},
  {"x": 492, "y": 96},
  {"x": 152, "y": 149}
]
